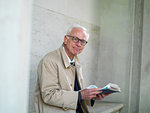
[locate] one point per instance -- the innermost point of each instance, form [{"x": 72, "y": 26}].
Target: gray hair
[{"x": 81, "y": 27}]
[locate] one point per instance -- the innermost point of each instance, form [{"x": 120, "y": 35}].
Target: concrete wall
[
  {"x": 15, "y": 18},
  {"x": 145, "y": 64},
  {"x": 116, "y": 24},
  {"x": 124, "y": 57},
  {"x": 84, "y": 10}
]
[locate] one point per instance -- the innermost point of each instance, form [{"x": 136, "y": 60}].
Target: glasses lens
[
  {"x": 83, "y": 43},
  {"x": 76, "y": 40}
]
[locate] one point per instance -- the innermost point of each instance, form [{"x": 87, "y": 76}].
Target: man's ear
[{"x": 65, "y": 39}]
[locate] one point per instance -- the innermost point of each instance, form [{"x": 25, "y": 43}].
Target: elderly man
[{"x": 59, "y": 86}]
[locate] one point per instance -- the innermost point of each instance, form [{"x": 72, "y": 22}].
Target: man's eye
[
  {"x": 75, "y": 38},
  {"x": 83, "y": 41}
]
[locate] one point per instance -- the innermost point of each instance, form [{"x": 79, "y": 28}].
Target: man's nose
[{"x": 78, "y": 43}]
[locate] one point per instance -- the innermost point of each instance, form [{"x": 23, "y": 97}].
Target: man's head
[{"x": 75, "y": 40}]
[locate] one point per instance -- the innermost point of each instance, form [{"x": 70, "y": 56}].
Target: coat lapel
[{"x": 77, "y": 65}]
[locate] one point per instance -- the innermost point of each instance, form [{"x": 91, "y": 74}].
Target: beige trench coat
[{"x": 54, "y": 91}]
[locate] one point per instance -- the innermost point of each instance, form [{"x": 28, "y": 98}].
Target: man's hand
[
  {"x": 94, "y": 93},
  {"x": 88, "y": 94},
  {"x": 100, "y": 96}
]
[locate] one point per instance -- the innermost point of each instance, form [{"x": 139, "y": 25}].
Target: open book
[{"x": 109, "y": 88}]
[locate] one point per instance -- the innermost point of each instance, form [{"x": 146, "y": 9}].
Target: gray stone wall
[
  {"x": 144, "y": 99},
  {"x": 15, "y": 21},
  {"x": 124, "y": 57}
]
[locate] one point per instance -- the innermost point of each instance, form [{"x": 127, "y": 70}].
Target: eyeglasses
[{"x": 76, "y": 40}]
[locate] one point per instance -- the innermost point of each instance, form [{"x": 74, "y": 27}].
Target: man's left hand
[{"x": 101, "y": 96}]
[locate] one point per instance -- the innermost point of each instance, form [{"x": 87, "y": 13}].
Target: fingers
[
  {"x": 94, "y": 91},
  {"x": 88, "y": 94},
  {"x": 99, "y": 97}
]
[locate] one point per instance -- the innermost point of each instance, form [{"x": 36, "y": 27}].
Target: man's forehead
[
  {"x": 79, "y": 32},
  {"x": 76, "y": 30}
]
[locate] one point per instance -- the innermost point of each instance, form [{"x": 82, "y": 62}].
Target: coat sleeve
[{"x": 50, "y": 89}]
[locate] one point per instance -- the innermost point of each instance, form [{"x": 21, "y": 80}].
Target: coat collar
[{"x": 65, "y": 59}]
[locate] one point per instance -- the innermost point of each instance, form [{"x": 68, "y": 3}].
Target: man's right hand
[{"x": 88, "y": 94}]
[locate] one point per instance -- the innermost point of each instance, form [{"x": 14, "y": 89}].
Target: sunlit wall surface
[{"x": 14, "y": 55}]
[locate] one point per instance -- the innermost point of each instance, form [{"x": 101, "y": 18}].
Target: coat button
[
  {"x": 65, "y": 108},
  {"x": 68, "y": 67},
  {"x": 71, "y": 85}
]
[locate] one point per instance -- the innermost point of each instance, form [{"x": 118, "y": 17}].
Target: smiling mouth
[{"x": 76, "y": 49}]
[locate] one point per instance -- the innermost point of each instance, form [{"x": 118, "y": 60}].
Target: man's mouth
[{"x": 76, "y": 49}]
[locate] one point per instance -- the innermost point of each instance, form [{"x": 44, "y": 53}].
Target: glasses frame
[{"x": 76, "y": 40}]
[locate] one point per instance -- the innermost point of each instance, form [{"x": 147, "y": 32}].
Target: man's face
[{"x": 72, "y": 48}]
